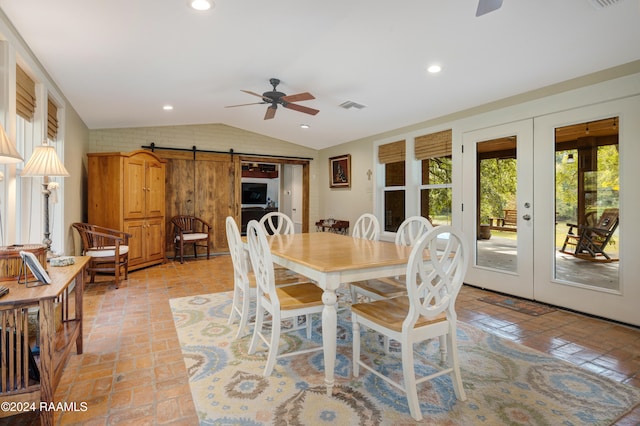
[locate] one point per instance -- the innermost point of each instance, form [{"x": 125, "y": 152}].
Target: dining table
[{"x": 331, "y": 259}]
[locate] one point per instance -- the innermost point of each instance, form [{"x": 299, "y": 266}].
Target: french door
[
  {"x": 526, "y": 183},
  {"x": 498, "y": 207},
  {"x": 601, "y": 161}
]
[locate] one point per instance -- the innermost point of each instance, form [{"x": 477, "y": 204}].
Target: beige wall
[
  {"x": 75, "y": 160},
  {"x": 210, "y": 137}
]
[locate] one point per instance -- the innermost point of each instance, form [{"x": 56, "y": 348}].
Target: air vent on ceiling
[
  {"x": 351, "y": 104},
  {"x": 601, "y": 4}
]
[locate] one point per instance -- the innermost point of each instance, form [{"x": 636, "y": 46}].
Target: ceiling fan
[
  {"x": 486, "y": 6},
  {"x": 276, "y": 98}
]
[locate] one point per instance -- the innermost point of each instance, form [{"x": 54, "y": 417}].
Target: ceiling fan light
[{"x": 200, "y": 5}]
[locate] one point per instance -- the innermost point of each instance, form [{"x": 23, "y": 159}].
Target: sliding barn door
[{"x": 201, "y": 185}]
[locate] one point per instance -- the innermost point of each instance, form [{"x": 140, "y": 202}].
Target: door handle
[{"x": 526, "y": 217}]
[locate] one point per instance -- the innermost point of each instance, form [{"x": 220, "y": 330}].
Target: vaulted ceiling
[{"x": 120, "y": 61}]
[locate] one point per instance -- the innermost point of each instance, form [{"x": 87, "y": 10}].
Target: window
[
  {"x": 434, "y": 152},
  {"x": 392, "y": 156}
]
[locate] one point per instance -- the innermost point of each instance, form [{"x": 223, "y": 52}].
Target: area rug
[
  {"x": 505, "y": 383},
  {"x": 520, "y": 305}
]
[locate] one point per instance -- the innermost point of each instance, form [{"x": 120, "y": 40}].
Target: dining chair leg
[
  {"x": 452, "y": 352},
  {"x": 409, "y": 376},
  {"x": 356, "y": 348},
  {"x": 273, "y": 345},
  {"x": 244, "y": 318},
  {"x": 234, "y": 306},
  {"x": 309, "y": 326},
  {"x": 443, "y": 348},
  {"x": 257, "y": 329}
]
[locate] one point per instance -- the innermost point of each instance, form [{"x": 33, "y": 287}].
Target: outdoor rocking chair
[{"x": 592, "y": 240}]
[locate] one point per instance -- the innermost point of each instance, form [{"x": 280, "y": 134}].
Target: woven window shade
[
  {"x": 26, "y": 95},
  {"x": 52, "y": 120},
  {"x": 433, "y": 145},
  {"x": 392, "y": 152}
]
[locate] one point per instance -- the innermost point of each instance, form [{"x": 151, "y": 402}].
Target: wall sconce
[
  {"x": 45, "y": 162},
  {"x": 570, "y": 159}
]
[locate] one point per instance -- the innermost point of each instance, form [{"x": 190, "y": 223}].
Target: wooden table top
[
  {"x": 61, "y": 276},
  {"x": 329, "y": 252}
]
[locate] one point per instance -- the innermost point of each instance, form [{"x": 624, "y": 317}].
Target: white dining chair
[
  {"x": 367, "y": 226},
  {"x": 244, "y": 284},
  {"x": 277, "y": 223},
  {"x": 408, "y": 232},
  {"x": 426, "y": 312},
  {"x": 288, "y": 302}
]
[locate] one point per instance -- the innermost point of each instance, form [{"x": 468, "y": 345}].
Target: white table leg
[{"x": 329, "y": 336}]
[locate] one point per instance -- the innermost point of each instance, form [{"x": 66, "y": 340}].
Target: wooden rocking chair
[{"x": 592, "y": 240}]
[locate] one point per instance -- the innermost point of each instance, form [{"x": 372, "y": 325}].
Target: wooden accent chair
[
  {"x": 426, "y": 312},
  {"x": 281, "y": 302},
  {"x": 277, "y": 223},
  {"x": 108, "y": 249},
  {"x": 592, "y": 240},
  {"x": 367, "y": 226},
  {"x": 190, "y": 230}
]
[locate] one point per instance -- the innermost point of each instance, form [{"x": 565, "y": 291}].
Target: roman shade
[
  {"x": 52, "y": 120},
  {"x": 25, "y": 94},
  {"x": 433, "y": 145},
  {"x": 393, "y": 152}
]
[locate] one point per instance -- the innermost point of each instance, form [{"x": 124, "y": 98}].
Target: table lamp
[
  {"x": 45, "y": 162},
  {"x": 8, "y": 155}
]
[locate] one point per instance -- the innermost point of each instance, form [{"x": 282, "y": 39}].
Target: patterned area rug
[
  {"x": 520, "y": 305},
  {"x": 506, "y": 383}
]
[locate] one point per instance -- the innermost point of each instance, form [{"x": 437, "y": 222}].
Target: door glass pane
[
  {"x": 587, "y": 188},
  {"x": 496, "y": 230}
]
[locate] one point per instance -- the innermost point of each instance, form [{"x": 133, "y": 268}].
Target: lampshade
[
  {"x": 8, "y": 152},
  {"x": 44, "y": 162}
]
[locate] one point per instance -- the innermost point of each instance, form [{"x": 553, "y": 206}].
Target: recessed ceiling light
[
  {"x": 167, "y": 107},
  {"x": 434, "y": 69},
  {"x": 304, "y": 126},
  {"x": 200, "y": 4}
]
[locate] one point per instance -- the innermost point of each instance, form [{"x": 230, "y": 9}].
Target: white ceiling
[{"x": 119, "y": 61}]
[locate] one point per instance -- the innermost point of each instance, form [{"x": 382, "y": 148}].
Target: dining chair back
[
  {"x": 277, "y": 223},
  {"x": 367, "y": 227},
  {"x": 426, "y": 312},
  {"x": 286, "y": 302},
  {"x": 242, "y": 290},
  {"x": 408, "y": 233}
]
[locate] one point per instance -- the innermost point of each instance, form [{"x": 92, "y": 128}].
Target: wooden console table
[{"x": 57, "y": 335}]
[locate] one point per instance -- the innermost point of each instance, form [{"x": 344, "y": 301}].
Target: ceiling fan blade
[
  {"x": 301, "y": 108},
  {"x": 271, "y": 112},
  {"x": 253, "y": 103},
  {"x": 486, "y": 6},
  {"x": 255, "y": 94},
  {"x": 306, "y": 96}
]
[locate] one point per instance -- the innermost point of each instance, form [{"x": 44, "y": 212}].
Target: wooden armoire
[{"x": 126, "y": 191}]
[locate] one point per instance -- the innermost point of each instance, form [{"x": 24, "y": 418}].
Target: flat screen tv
[{"x": 254, "y": 193}]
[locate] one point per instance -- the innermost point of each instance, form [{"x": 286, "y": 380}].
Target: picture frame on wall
[{"x": 340, "y": 171}]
